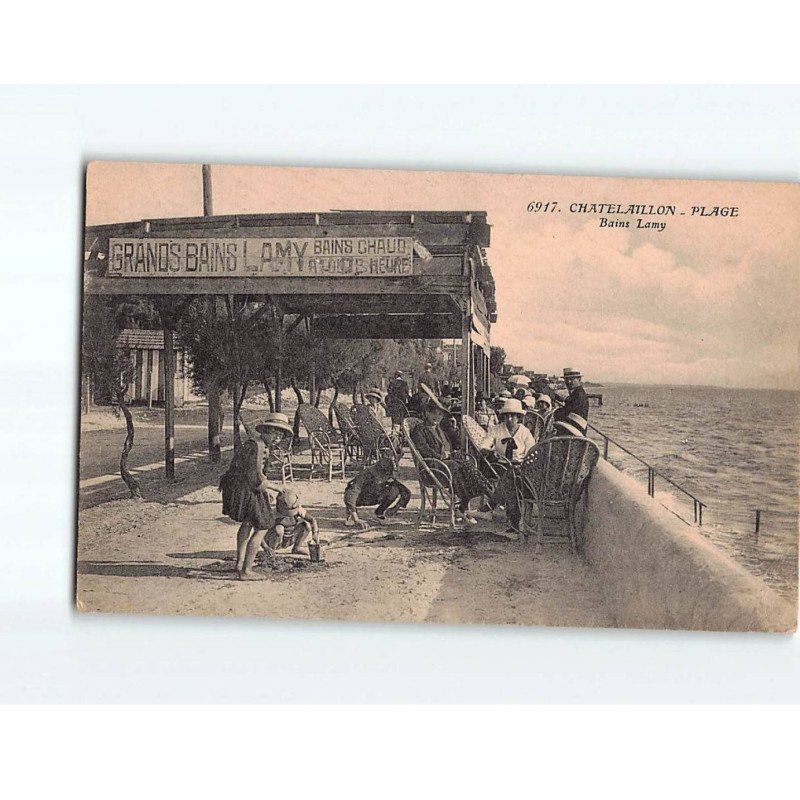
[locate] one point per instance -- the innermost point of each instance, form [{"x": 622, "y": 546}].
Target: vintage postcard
[{"x": 439, "y": 397}]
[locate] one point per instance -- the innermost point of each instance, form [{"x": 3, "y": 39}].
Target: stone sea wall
[{"x": 658, "y": 572}]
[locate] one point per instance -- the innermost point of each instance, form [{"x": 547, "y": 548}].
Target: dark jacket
[
  {"x": 371, "y": 479},
  {"x": 398, "y": 388},
  {"x": 431, "y": 381},
  {"x": 430, "y": 442},
  {"x": 577, "y": 402}
]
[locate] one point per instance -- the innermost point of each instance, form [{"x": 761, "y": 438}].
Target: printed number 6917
[{"x": 538, "y": 205}]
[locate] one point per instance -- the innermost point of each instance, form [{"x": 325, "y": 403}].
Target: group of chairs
[
  {"x": 549, "y": 483},
  {"x": 360, "y": 440}
]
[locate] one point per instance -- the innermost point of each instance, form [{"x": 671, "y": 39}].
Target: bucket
[{"x": 315, "y": 553}]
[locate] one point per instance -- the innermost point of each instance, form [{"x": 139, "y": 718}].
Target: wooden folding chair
[
  {"x": 376, "y": 442},
  {"x": 278, "y": 459},
  {"x": 347, "y": 430},
  {"x": 327, "y": 449},
  {"x": 435, "y": 479}
]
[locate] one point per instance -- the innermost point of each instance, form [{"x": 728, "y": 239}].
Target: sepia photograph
[{"x": 440, "y": 397}]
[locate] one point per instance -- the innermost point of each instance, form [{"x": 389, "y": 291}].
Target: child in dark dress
[{"x": 245, "y": 489}]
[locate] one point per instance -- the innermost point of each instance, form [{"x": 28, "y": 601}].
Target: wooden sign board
[{"x": 351, "y": 256}]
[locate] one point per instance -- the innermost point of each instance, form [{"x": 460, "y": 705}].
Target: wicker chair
[
  {"x": 553, "y": 477},
  {"x": 327, "y": 449},
  {"x": 278, "y": 459},
  {"x": 536, "y": 424},
  {"x": 435, "y": 479},
  {"x": 347, "y": 430},
  {"x": 375, "y": 441},
  {"x": 475, "y": 433},
  {"x": 548, "y": 422}
]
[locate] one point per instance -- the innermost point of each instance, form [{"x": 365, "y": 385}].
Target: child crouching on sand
[
  {"x": 292, "y": 527},
  {"x": 375, "y": 485}
]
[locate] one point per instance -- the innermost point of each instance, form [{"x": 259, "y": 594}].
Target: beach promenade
[{"x": 175, "y": 552}]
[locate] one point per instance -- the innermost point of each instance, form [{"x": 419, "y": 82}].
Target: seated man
[
  {"x": 512, "y": 441},
  {"x": 375, "y": 485},
  {"x": 432, "y": 442},
  {"x": 293, "y": 525}
]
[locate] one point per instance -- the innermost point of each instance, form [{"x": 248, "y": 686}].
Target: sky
[{"x": 708, "y": 300}]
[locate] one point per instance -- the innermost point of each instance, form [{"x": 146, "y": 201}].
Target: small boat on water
[{"x": 641, "y": 405}]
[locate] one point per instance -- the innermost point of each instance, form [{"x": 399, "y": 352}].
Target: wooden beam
[
  {"x": 388, "y": 326},
  {"x": 412, "y": 285}
]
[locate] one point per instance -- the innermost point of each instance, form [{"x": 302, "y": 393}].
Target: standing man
[
  {"x": 429, "y": 379},
  {"x": 573, "y": 416},
  {"x": 397, "y": 397}
]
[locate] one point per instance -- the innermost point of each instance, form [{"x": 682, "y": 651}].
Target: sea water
[{"x": 736, "y": 450}]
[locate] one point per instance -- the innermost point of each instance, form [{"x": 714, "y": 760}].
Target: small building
[{"x": 146, "y": 349}]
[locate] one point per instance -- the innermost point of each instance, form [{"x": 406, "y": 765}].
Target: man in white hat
[{"x": 573, "y": 417}]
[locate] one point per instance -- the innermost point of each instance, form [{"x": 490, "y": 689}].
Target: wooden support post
[
  {"x": 149, "y": 382},
  {"x": 279, "y": 363},
  {"x": 467, "y": 392},
  {"x": 467, "y": 395},
  {"x": 207, "y": 205},
  {"x": 169, "y": 402},
  {"x": 212, "y": 386},
  {"x": 313, "y": 381}
]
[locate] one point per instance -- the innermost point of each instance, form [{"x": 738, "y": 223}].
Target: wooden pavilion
[{"x": 350, "y": 274}]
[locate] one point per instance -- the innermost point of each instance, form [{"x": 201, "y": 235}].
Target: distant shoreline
[{"x": 610, "y": 385}]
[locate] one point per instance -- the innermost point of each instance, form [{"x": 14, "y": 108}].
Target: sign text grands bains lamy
[{"x": 357, "y": 256}]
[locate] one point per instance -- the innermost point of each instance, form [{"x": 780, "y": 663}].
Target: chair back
[
  {"x": 343, "y": 420},
  {"x": 556, "y": 470},
  {"x": 431, "y": 471},
  {"x": 278, "y": 454},
  {"x": 375, "y": 440},
  {"x": 536, "y": 424},
  {"x": 314, "y": 420},
  {"x": 474, "y": 430},
  {"x": 395, "y": 407}
]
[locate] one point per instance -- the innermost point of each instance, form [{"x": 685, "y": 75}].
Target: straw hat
[
  {"x": 432, "y": 398},
  {"x": 276, "y": 420},
  {"x": 511, "y": 406},
  {"x": 374, "y": 392},
  {"x": 571, "y": 373},
  {"x": 505, "y": 394},
  {"x": 544, "y": 398},
  {"x": 574, "y": 424},
  {"x": 529, "y": 402}
]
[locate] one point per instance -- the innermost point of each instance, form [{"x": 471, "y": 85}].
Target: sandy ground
[{"x": 174, "y": 553}]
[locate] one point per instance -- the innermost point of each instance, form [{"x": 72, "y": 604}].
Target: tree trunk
[
  {"x": 239, "y": 391},
  {"x": 268, "y": 392},
  {"x": 214, "y": 421},
  {"x": 130, "y": 481},
  {"x": 300, "y": 400},
  {"x": 355, "y": 393},
  {"x": 318, "y": 398},
  {"x": 333, "y": 402}
]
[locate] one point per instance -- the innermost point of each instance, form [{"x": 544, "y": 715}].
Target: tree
[
  {"x": 497, "y": 357},
  {"x": 109, "y": 365}
]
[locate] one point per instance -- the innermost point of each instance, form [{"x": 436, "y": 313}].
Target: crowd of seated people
[{"x": 506, "y": 418}]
